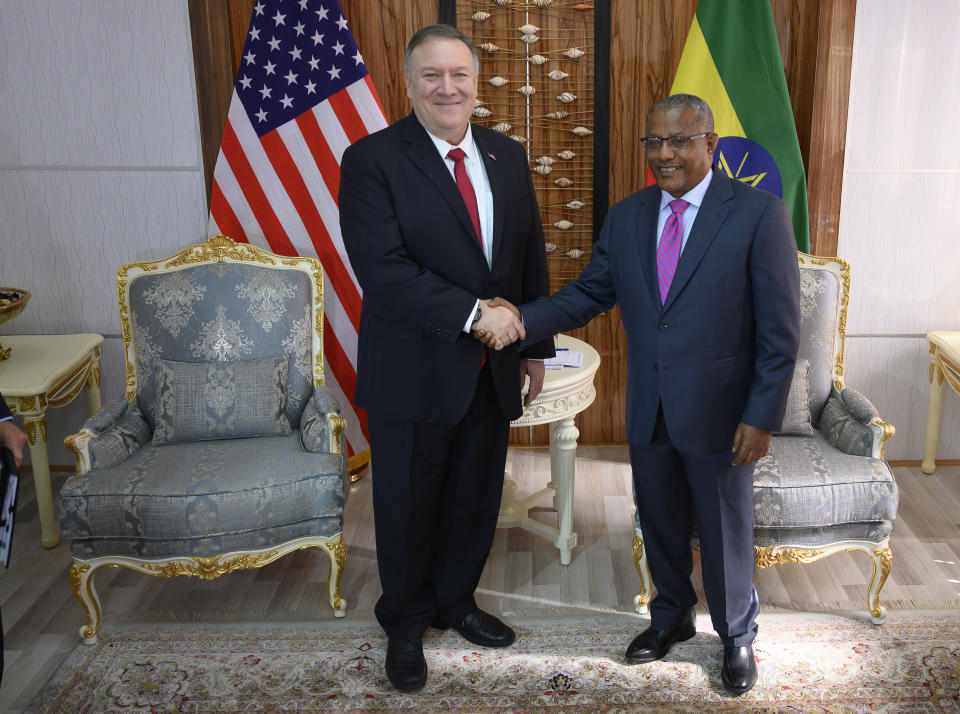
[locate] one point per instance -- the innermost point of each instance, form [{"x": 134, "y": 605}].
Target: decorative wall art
[{"x": 544, "y": 82}]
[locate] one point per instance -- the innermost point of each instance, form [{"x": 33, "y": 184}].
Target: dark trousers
[
  {"x": 436, "y": 498},
  {"x": 676, "y": 489}
]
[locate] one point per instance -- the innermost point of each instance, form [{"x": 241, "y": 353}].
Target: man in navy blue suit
[{"x": 705, "y": 271}]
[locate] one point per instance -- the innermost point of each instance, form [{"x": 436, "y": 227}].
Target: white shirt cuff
[{"x": 469, "y": 322}]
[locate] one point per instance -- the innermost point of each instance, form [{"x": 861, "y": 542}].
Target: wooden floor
[{"x": 523, "y": 577}]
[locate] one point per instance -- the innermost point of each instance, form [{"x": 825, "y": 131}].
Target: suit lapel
[
  {"x": 647, "y": 240},
  {"x": 424, "y": 155},
  {"x": 710, "y": 217},
  {"x": 495, "y": 176}
]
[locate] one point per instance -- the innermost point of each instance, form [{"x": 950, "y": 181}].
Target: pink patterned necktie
[
  {"x": 466, "y": 189},
  {"x": 668, "y": 250}
]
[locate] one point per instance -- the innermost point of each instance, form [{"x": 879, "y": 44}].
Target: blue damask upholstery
[
  {"x": 207, "y": 465},
  {"x": 203, "y": 498}
]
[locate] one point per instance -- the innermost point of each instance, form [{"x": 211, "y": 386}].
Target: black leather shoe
[
  {"x": 739, "y": 672},
  {"x": 481, "y": 628},
  {"x": 651, "y": 644},
  {"x": 406, "y": 668}
]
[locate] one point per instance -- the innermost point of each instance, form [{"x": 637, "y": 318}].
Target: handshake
[{"x": 499, "y": 324}]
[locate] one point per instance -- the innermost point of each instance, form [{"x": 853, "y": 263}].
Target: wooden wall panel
[
  {"x": 815, "y": 36},
  {"x": 828, "y": 133}
]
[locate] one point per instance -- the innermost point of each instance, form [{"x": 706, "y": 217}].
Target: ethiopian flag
[{"x": 732, "y": 61}]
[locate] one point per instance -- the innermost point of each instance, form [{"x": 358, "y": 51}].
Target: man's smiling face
[{"x": 677, "y": 172}]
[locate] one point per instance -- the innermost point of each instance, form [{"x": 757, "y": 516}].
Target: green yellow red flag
[{"x": 732, "y": 61}]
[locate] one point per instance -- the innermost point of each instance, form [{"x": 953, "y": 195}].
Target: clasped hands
[{"x": 499, "y": 324}]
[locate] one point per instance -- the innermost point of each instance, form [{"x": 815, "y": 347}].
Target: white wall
[
  {"x": 100, "y": 163},
  {"x": 900, "y": 217}
]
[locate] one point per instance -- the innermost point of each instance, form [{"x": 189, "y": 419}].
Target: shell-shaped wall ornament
[
  {"x": 566, "y": 154},
  {"x": 478, "y": 102},
  {"x": 574, "y": 253},
  {"x": 563, "y": 225},
  {"x": 537, "y": 59},
  {"x": 481, "y": 112},
  {"x": 498, "y": 81},
  {"x": 575, "y": 204},
  {"x": 519, "y": 139},
  {"x": 527, "y": 91},
  {"x": 530, "y": 39},
  {"x": 558, "y": 115},
  {"x": 543, "y": 169},
  {"x": 582, "y": 7},
  {"x": 557, "y": 74},
  {"x": 547, "y": 160},
  {"x": 574, "y": 53},
  {"x": 481, "y": 16},
  {"x": 550, "y": 247},
  {"x": 567, "y": 97},
  {"x": 581, "y": 131},
  {"x": 563, "y": 181},
  {"x": 528, "y": 29},
  {"x": 502, "y": 127},
  {"x": 489, "y": 47},
  {"x": 541, "y": 3},
  {"x": 503, "y": 3}
]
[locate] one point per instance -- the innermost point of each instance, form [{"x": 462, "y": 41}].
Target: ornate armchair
[
  {"x": 226, "y": 452},
  {"x": 823, "y": 487}
]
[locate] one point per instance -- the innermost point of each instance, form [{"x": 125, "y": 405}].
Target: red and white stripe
[{"x": 279, "y": 192}]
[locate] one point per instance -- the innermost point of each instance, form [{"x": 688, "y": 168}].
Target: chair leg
[
  {"x": 882, "y": 559},
  {"x": 81, "y": 578},
  {"x": 337, "y": 552},
  {"x": 642, "y": 599},
  {"x": 934, "y": 403}
]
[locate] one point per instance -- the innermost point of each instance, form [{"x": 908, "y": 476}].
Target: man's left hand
[
  {"x": 14, "y": 439},
  {"x": 750, "y": 444},
  {"x": 535, "y": 369}
]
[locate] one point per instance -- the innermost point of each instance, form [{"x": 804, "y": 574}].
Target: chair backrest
[
  {"x": 824, "y": 294},
  {"x": 222, "y": 301}
]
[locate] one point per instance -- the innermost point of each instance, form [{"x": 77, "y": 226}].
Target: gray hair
[
  {"x": 687, "y": 101},
  {"x": 438, "y": 32}
]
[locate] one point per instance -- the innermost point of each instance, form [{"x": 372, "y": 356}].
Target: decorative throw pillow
[
  {"x": 796, "y": 419},
  {"x": 220, "y": 400}
]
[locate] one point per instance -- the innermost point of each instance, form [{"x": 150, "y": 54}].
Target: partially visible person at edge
[{"x": 437, "y": 215}]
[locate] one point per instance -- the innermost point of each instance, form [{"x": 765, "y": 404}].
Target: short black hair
[{"x": 687, "y": 101}]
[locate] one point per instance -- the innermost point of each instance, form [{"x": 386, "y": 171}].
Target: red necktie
[
  {"x": 470, "y": 199},
  {"x": 668, "y": 250},
  {"x": 466, "y": 189}
]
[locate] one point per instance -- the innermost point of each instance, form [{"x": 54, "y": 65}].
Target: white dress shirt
[
  {"x": 477, "y": 172},
  {"x": 695, "y": 197}
]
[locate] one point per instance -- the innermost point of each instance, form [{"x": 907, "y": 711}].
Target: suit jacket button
[
  {"x": 663, "y": 326},
  {"x": 656, "y": 367}
]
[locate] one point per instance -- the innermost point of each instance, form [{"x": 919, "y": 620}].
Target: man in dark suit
[
  {"x": 437, "y": 216},
  {"x": 705, "y": 271}
]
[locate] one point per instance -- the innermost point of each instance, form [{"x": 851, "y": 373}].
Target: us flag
[{"x": 302, "y": 96}]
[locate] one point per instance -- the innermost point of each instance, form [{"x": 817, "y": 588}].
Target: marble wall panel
[
  {"x": 900, "y": 232},
  {"x": 97, "y": 83},
  {"x": 893, "y": 373},
  {"x": 903, "y": 88},
  {"x": 65, "y": 233}
]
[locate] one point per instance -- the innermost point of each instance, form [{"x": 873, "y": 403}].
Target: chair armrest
[
  {"x": 109, "y": 437},
  {"x": 852, "y": 424},
  {"x": 321, "y": 426}
]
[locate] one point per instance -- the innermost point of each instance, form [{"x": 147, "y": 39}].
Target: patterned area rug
[{"x": 808, "y": 663}]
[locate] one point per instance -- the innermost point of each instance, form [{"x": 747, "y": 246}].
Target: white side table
[
  {"x": 944, "y": 367},
  {"x": 48, "y": 371},
  {"x": 566, "y": 392}
]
